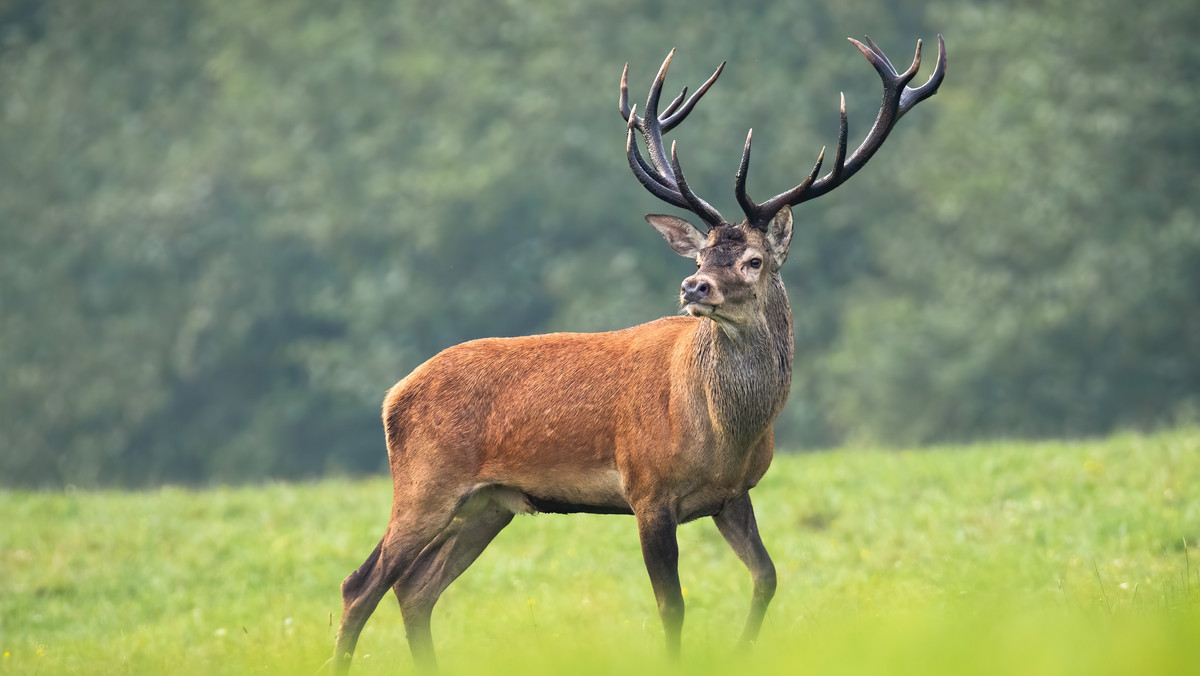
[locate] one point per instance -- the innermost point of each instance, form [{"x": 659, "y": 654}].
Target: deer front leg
[
  {"x": 660, "y": 550},
  {"x": 736, "y": 523}
]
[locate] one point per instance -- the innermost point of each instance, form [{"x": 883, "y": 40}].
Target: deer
[{"x": 669, "y": 421}]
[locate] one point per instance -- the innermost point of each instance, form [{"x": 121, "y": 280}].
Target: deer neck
[{"x": 746, "y": 370}]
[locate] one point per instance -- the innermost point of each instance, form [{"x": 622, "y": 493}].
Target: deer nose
[{"x": 695, "y": 289}]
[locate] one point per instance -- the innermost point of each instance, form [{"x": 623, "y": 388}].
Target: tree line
[{"x": 227, "y": 228}]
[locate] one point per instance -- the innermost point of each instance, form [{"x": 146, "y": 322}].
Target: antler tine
[
  {"x": 898, "y": 99},
  {"x": 879, "y": 52},
  {"x": 914, "y": 95},
  {"x": 839, "y": 160},
  {"x": 696, "y": 205},
  {"x": 739, "y": 179},
  {"x": 674, "y": 119},
  {"x": 662, "y": 177},
  {"x": 674, "y": 103},
  {"x": 652, "y": 125},
  {"x": 623, "y": 101}
]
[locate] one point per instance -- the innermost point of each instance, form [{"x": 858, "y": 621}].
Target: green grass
[{"x": 993, "y": 559}]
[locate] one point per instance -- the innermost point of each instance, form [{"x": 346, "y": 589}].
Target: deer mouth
[{"x": 699, "y": 309}]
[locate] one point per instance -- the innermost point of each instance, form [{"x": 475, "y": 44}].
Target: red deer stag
[{"x": 669, "y": 421}]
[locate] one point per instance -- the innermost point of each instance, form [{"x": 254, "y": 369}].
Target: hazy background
[{"x": 226, "y": 228}]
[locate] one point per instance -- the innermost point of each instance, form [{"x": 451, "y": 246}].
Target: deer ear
[
  {"x": 779, "y": 237},
  {"x": 683, "y": 237}
]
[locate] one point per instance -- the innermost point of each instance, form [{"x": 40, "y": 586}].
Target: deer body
[
  {"x": 669, "y": 421},
  {"x": 596, "y": 422}
]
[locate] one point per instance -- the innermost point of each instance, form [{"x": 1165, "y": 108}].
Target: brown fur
[{"x": 550, "y": 415}]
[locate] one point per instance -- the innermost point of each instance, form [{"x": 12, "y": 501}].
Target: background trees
[{"x": 227, "y": 228}]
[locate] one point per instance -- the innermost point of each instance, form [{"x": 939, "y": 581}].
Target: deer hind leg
[
  {"x": 440, "y": 563},
  {"x": 736, "y": 523},
  {"x": 407, "y": 535}
]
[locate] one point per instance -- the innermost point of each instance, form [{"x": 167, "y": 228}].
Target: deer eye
[{"x": 756, "y": 263}]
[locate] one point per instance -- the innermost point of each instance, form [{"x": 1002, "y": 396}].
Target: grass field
[{"x": 993, "y": 559}]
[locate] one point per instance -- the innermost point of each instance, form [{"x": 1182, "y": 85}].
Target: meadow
[{"x": 1002, "y": 558}]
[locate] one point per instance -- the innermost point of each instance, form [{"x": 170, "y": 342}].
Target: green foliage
[
  {"x": 1046, "y": 284},
  {"x": 1048, "y": 559},
  {"x": 227, "y": 228}
]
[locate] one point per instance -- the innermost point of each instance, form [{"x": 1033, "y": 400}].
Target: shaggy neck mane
[{"x": 751, "y": 368}]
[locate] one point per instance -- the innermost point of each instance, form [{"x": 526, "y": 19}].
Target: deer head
[{"x": 736, "y": 262}]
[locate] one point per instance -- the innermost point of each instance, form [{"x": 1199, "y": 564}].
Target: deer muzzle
[{"x": 699, "y": 296}]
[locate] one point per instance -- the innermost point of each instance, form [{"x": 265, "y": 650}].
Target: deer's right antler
[{"x": 664, "y": 179}]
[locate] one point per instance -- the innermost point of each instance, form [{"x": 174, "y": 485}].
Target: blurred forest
[{"x": 226, "y": 228}]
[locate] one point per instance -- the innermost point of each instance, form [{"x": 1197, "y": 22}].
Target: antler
[
  {"x": 664, "y": 179},
  {"x": 898, "y": 99}
]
